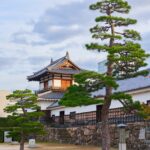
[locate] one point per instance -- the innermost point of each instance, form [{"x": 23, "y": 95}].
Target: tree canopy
[
  {"x": 25, "y": 114},
  {"x": 125, "y": 57}
]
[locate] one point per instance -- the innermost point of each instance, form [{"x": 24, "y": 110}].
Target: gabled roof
[{"x": 52, "y": 68}]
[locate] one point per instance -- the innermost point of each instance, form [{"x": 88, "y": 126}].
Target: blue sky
[{"x": 33, "y": 31}]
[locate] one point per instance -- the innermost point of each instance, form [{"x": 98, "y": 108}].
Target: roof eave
[
  {"x": 55, "y": 107},
  {"x": 36, "y": 76}
]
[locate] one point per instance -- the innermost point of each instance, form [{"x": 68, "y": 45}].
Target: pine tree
[
  {"x": 125, "y": 57},
  {"x": 25, "y": 115}
]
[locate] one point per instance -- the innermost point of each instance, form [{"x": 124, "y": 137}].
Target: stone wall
[{"x": 91, "y": 135}]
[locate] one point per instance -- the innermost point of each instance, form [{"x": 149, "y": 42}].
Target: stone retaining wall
[{"x": 91, "y": 135}]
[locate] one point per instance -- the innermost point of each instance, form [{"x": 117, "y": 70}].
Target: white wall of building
[
  {"x": 72, "y": 109},
  {"x": 57, "y": 83},
  {"x": 44, "y": 104},
  {"x": 141, "y": 95}
]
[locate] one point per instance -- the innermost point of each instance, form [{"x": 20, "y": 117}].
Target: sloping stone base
[{"x": 91, "y": 135}]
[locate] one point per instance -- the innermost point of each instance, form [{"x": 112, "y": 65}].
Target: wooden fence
[{"x": 116, "y": 116}]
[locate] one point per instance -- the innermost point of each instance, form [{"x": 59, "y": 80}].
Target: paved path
[{"x": 48, "y": 147}]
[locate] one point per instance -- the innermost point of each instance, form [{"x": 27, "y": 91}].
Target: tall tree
[
  {"x": 124, "y": 56},
  {"x": 124, "y": 59},
  {"x": 25, "y": 114}
]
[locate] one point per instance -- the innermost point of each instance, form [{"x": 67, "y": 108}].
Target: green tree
[
  {"x": 124, "y": 59},
  {"x": 25, "y": 114},
  {"x": 145, "y": 111}
]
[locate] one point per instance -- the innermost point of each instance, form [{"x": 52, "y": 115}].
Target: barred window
[{"x": 73, "y": 115}]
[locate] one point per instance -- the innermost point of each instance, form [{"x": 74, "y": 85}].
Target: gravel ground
[{"x": 49, "y": 147}]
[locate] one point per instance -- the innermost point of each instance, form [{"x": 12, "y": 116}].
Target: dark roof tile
[
  {"x": 52, "y": 95},
  {"x": 51, "y": 68},
  {"x": 131, "y": 84}
]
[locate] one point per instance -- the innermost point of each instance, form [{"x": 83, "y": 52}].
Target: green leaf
[
  {"x": 78, "y": 96},
  {"x": 132, "y": 34},
  {"x": 117, "y": 21},
  {"x": 24, "y": 122},
  {"x": 119, "y": 6}
]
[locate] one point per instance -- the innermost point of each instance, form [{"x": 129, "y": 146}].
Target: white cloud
[{"x": 43, "y": 29}]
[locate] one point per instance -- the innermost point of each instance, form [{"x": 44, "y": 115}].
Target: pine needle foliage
[
  {"x": 25, "y": 114},
  {"x": 125, "y": 57}
]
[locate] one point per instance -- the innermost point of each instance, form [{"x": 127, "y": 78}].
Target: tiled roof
[
  {"x": 65, "y": 71},
  {"x": 51, "y": 68},
  {"x": 52, "y": 95},
  {"x": 131, "y": 84}
]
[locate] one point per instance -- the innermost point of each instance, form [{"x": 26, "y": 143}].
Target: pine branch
[{"x": 117, "y": 21}]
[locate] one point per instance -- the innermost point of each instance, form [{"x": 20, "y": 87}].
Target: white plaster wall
[
  {"x": 44, "y": 104},
  {"x": 115, "y": 104},
  {"x": 57, "y": 83},
  {"x": 76, "y": 109},
  {"x": 141, "y": 96}
]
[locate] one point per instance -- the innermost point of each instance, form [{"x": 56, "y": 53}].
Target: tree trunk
[
  {"x": 22, "y": 143},
  {"x": 106, "y": 140},
  {"x": 21, "y": 146}
]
